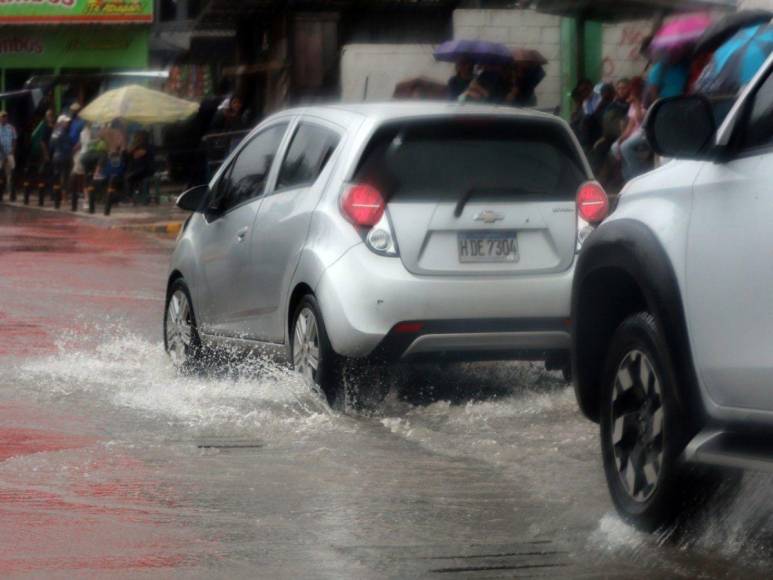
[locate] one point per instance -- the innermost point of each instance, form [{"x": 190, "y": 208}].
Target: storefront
[{"x": 71, "y": 36}]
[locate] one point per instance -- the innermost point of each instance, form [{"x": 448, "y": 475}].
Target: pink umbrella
[{"x": 679, "y": 33}]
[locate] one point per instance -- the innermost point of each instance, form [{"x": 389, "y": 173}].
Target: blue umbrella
[
  {"x": 736, "y": 62},
  {"x": 476, "y": 51}
]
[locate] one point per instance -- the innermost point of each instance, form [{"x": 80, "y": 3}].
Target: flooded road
[{"x": 113, "y": 465}]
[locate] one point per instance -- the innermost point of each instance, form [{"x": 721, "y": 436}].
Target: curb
[
  {"x": 163, "y": 228},
  {"x": 167, "y": 228}
]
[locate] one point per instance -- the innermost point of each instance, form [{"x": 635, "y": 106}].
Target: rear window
[{"x": 454, "y": 156}]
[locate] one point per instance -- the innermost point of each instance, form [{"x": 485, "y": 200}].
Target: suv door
[
  {"x": 225, "y": 238},
  {"x": 283, "y": 220},
  {"x": 730, "y": 265}
]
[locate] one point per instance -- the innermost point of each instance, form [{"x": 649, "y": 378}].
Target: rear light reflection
[
  {"x": 363, "y": 204},
  {"x": 365, "y": 207},
  {"x": 592, "y": 203}
]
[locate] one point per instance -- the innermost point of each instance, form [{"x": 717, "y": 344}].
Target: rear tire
[
  {"x": 643, "y": 428},
  {"x": 346, "y": 383}
]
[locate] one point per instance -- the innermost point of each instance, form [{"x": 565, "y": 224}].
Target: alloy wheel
[
  {"x": 306, "y": 345},
  {"x": 637, "y": 425},
  {"x": 179, "y": 328}
]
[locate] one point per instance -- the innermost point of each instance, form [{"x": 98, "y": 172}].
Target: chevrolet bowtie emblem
[{"x": 489, "y": 217}]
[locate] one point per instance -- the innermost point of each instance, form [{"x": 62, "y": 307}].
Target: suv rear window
[{"x": 451, "y": 156}]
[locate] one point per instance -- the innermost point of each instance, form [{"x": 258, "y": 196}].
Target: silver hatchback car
[{"x": 355, "y": 236}]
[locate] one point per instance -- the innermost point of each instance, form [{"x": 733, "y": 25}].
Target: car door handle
[{"x": 241, "y": 234}]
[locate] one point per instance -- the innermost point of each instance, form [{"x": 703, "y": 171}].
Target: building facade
[{"x": 61, "y": 36}]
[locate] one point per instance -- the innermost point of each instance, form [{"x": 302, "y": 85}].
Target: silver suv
[
  {"x": 345, "y": 235},
  {"x": 673, "y": 312}
]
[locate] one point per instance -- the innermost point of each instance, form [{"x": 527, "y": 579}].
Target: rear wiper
[{"x": 473, "y": 191}]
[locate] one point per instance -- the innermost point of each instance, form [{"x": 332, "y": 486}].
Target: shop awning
[
  {"x": 618, "y": 10},
  {"x": 220, "y": 14}
]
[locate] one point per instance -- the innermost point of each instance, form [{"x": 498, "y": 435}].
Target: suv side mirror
[
  {"x": 193, "y": 199},
  {"x": 681, "y": 127}
]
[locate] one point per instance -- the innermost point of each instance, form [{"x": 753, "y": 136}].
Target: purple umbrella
[{"x": 477, "y": 51}]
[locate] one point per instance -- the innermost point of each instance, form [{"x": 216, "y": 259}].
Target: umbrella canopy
[
  {"x": 724, "y": 29},
  {"x": 529, "y": 56},
  {"x": 679, "y": 33},
  {"x": 736, "y": 62},
  {"x": 476, "y": 51},
  {"x": 140, "y": 105},
  {"x": 420, "y": 88}
]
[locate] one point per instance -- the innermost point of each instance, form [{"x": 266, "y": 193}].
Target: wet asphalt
[{"x": 112, "y": 465}]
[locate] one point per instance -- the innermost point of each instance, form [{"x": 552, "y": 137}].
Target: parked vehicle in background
[
  {"x": 353, "y": 237},
  {"x": 672, "y": 306}
]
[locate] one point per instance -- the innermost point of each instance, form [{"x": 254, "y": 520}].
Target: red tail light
[
  {"x": 592, "y": 202},
  {"x": 363, "y": 205}
]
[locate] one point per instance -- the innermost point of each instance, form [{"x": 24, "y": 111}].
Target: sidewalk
[{"x": 164, "y": 219}]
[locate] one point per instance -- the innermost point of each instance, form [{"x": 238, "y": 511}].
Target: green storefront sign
[
  {"x": 72, "y": 47},
  {"x": 26, "y": 12}
]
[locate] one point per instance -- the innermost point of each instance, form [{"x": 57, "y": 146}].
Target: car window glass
[
  {"x": 246, "y": 178},
  {"x": 309, "y": 152},
  {"x": 759, "y": 130}
]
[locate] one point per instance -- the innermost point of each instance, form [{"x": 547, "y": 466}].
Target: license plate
[{"x": 499, "y": 246}]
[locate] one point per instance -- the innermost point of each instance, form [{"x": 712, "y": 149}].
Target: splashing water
[{"x": 251, "y": 397}]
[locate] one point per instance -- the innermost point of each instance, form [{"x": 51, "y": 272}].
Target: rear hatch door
[{"x": 478, "y": 195}]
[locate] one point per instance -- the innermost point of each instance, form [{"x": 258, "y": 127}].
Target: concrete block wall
[
  {"x": 370, "y": 72},
  {"x": 519, "y": 28},
  {"x": 620, "y": 49},
  {"x": 747, "y": 4}
]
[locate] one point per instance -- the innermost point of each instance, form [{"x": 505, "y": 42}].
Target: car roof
[{"x": 393, "y": 110}]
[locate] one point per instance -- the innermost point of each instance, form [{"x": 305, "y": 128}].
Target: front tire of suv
[
  {"x": 346, "y": 383},
  {"x": 642, "y": 432}
]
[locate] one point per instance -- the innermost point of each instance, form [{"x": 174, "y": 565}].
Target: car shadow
[{"x": 462, "y": 383}]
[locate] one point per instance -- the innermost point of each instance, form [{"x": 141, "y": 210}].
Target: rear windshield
[{"x": 451, "y": 157}]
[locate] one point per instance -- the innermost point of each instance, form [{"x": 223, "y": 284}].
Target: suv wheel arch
[{"x": 623, "y": 269}]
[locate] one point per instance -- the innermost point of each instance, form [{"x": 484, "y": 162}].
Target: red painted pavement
[{"x": 70, "y": 502}]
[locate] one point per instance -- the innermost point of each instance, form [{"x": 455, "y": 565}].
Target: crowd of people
[
  {"x": 66, "y": 153},
  {"x": 72, "y": 157},
  {"x": 608, "y": 118}
]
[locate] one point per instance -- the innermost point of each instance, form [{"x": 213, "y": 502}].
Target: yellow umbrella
[{"x": 138, "y": 104}]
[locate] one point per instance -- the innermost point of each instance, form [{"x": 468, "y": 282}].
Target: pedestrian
[
  {"x": 667, "y": 78},
  {"x": 592, "y": 127},
  {"x": 114, "y": 136},
  {"x": 76, "y": 123},
  {"x": 141, "y": 164},
  {"x": 231, "y": 117},
  {"x": 41, "y": 138},
  {"x": 61, "y": 151},
  {"x": 526, "y": 76},
  {"x": 460, "y": 82},
  {"x": 632, "y": 148},
  {"x": 493, "y": 83},
  {"x": 78, "y": 176},
  {"x": 7, "y": 150}
]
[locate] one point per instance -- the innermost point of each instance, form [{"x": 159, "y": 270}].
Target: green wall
[
  {"x": 581, "y": 55},
  {"x": 74, "y": 47}
]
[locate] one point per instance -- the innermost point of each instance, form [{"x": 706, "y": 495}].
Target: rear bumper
[
  {"x": 364, "y": 296},
  {"x": 502, "y": 339}
]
